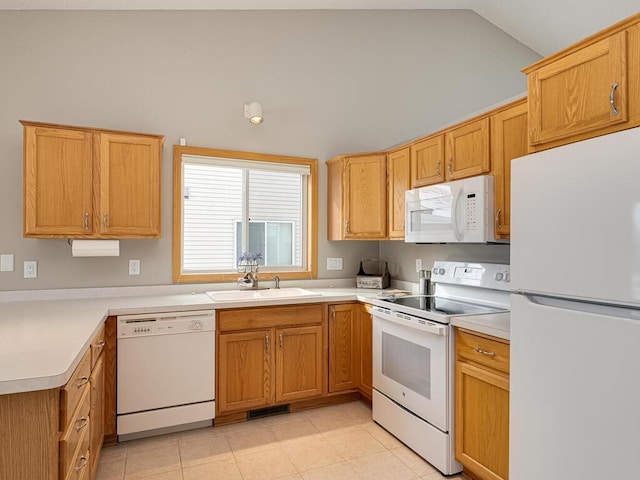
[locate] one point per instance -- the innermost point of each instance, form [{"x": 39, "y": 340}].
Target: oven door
[{"x": 410, "y": 364}]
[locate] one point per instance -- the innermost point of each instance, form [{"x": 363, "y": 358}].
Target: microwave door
[{"x": 429, "y": 214}]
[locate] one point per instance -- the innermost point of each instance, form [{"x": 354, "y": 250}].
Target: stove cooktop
[{"x": 429, "y": 306}]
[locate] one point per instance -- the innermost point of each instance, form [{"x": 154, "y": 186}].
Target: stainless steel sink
[{"x": 271, "y": 293}]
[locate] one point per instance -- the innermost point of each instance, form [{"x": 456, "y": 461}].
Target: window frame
[{"x": 310, "y": 237}]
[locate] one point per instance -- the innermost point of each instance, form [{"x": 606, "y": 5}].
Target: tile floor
[{"x": 340, "y": 442}]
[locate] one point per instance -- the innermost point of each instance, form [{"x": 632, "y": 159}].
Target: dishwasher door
[{"x": 166, "y": 362}]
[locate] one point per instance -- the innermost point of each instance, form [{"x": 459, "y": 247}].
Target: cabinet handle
[
  {"x": 83, "y": 463},
  {"x": 614, "y": 110},
  {"x": 81, "y": 423},
  {"x": 498, "y": 222},
  {"x": 82, "y": 381},
  {"x": 99, "y": 345},
  {"x": 484, "y": 352},
  {"x": 266, "y": 343},
  {"x": 346, "y": 226},
  {"x": 281, "y": 341},
  {"x": 439, "y": 171},
  {"x": 333, "y": 314},
  {"x": 86, "y": 221},
  {"x": 450, "y": 165},
  {"x": 105, "y": 220}
]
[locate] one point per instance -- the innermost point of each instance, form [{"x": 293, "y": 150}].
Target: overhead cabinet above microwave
[{"x": 90, "y": 183}]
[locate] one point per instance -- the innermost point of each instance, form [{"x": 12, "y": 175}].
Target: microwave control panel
[{"x": 471, "y": 212}]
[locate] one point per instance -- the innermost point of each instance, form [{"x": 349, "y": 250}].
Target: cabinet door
[
  {"x": 342, "y": 347},
  {"x": 574, "y": 93},
  {"x": 366, "y": 355},
  {"x": 427, "y": 161},
  {"x": 244, "y": 370},
  {"x": 129, "y": 185},
  {"x": 508, "y": 141},
  {"x": 467, "y": 150},
  {"x": 398, "y": 171},
  {"x": 58, "y": 168},
  {"x": 482, "y": 421},
  {"x": 298, "y": 363},
  {"x": 365, "y": 197},
  {"x": 96, "y": 415}
]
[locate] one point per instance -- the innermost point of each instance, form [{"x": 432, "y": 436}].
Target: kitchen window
[{"x": 227, "y": 203}]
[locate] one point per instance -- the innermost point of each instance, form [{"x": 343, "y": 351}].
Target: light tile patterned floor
[{"x": 339, "y": 442}]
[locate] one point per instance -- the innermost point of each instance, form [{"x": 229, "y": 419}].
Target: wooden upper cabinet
[
  {"x": 467, "y": 150},
  {"x": 508, "y": 141},
  {"x": 574, "y": 94},
  {"x": 129, "y": 185},
  {"x": 399, "y": 176},
  {"x": 427, "y": 161},
  {"x": 357, "y": 197},
  {"x": 589, "y": 89},
  {"x": 58, "y": 171},
  {"x": 90, "y": 183}
]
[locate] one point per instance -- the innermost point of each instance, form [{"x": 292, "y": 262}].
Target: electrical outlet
[
  {"x": 6, "y": 263},
  {"x": 334, "y": 263},
  {"x": 31, "y": 269},
  {"x": 134, "y": 267},
  {"x": 418, "y": 264}
]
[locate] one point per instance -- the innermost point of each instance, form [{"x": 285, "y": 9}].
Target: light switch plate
[
  {"x": 334, "y": 263},
  {"x": 6, "y": 262},
  {"x": 31, "y": 269}
]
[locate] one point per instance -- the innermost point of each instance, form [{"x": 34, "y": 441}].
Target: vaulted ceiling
[{"x": 545, "y": 26}]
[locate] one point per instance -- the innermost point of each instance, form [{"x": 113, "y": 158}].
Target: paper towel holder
[{"x": 94, "y": 248}]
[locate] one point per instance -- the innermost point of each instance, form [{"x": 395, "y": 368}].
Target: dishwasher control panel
[{"x": 166, "y": 323}]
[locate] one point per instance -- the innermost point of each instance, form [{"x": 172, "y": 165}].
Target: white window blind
[{"x": 231, "y": 206}]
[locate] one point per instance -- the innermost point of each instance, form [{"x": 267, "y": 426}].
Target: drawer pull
[
  {"x": 99, "y": 344},
  {"x": 484, "y": 352},
  {"x": 83, "y": 463},
  {"x": 82, "y": 381},
  {"x": 81, "y": 423}
]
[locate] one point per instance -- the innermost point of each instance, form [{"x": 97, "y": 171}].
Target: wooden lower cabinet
[
  {"x": 350, "y": 355},
  {"x": 343, "y": 347},
  {"x": 281, "y": 363},
  {"x": 298, "y": 363},
  {"x": 245, "y": 363},
  {"x": 365, "y": 339},
  {"x": 482, "y": 405},
  {"x": 55, "y": 434}
]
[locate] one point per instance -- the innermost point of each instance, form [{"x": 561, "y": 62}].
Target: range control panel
[{"x": 486, "y": 275}]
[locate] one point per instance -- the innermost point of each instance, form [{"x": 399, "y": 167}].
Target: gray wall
[{"x": 330, "y": 82}]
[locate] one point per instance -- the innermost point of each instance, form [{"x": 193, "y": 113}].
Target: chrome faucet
[
  {"x": 276, "y": 279},
  {"x": 249, "y": 281}
]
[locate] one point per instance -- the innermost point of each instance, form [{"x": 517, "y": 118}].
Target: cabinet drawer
[
  {"x": 97, "y": 346},
  {"x": 258, "y": 318},
  {"x": 74, "y": 434},
  {"x": 73, "y": 390},
  {"x": 482, "y": 350},
  {"x": 80, "y": 468}
]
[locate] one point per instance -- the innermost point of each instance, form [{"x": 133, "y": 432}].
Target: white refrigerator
[{"x": 575, "y": 311}]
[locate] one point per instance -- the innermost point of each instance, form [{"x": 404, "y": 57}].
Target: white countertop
[
  {"x": 42, "y": 342},
  {"x": 495, "y": 324}
]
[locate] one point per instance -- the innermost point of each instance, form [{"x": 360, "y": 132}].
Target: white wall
[{"x": 330, "y": 82}]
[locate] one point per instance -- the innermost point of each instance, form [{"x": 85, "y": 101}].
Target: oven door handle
[{"x": 403, "y": 319}]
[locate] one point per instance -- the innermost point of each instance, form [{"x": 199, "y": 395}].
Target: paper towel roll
[{"x": 95, "y": 248}]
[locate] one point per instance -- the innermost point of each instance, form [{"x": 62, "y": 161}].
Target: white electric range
[{"x": 414, "y": 350}]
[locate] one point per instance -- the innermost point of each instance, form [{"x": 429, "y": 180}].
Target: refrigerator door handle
[{"x": 620, "y": 311}]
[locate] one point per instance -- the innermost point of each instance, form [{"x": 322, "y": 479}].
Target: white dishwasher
[{"x": 165, "y": 372}]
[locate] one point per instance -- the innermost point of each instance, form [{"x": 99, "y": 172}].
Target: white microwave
[{"x": 451, "y": 212}]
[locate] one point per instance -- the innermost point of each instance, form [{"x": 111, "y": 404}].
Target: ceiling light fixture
[{"x": 253, "y": 111}]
